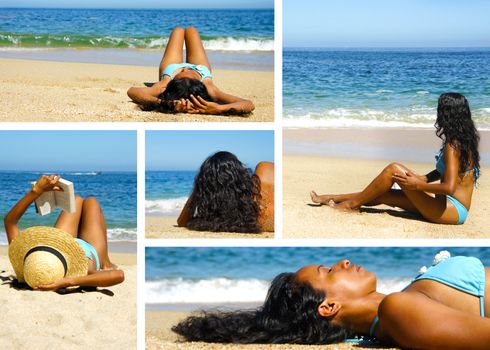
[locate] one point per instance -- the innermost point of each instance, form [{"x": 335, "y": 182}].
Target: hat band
[{"x": 53, "y": 251}]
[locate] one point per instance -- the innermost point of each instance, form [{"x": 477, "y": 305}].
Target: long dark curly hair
[
  {"x": 181, "y": 88},
  {"x": 289, "y": 315},
  {"x": 455, "y": 127},
  {"x": 225, "y": 197}
]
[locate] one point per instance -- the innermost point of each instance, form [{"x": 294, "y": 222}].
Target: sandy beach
[
  {"x": 159, "y": 336},
  {"x": 43, "y": 91},
  {"x": 102, "y": 319},
  {"x": 166, "y": 227},
  {"x": 309, "y": 164}
]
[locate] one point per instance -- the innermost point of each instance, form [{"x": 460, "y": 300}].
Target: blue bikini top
[
  {"x": 201, "y": 69},
  {"x": 441, "y": 165},
  {"x": 466, "y": 274}
]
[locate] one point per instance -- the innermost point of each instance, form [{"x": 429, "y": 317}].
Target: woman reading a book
[
  {"x": 187, "y": 87},
  {"x": 78, "y": 240}
]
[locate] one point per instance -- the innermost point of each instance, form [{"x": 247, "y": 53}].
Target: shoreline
[
  {"x": 418, "y": 145},
  {"x": 88, "y": 92},
  {"x": 262, "y": 61}
]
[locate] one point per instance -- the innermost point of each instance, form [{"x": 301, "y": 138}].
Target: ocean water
[
  {"x": 115, "y": 191},
  {"x": 381, "y": 87},
  {"x": 221, "y": 30},
  {"x": 177, "y": 276},
  {"x": 167, "y": 191}
]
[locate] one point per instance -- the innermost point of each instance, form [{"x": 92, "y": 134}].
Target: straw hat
[{"x": 42, "y": 255}]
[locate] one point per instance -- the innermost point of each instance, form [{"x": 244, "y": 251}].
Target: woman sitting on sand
[
  {"x": 76, "y": 246},
  {"x": 187, "y": 87},
  {"x": 457, "y": 168},
  {"x": 226, "y": 198},
  {"x": 443, "y": 308}
]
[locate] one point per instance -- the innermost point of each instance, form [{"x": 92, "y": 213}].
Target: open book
[{"x": 50, "y": 200}]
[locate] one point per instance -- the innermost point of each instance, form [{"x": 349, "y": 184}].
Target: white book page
[{"x": 65, "y": 199}]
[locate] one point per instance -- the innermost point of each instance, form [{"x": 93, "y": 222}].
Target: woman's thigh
[
  {"x": 174, "y": 50},
  {"x": 194, "y": 49},
  {"x": 69, "y": 222}
]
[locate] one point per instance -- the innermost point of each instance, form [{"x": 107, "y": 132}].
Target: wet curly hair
[
  {"x": 455, "y": 127},
  {"x": 181, "y": 88},
  {"x": 288, "y": 315},
  {"x": 225, "y": 197}
]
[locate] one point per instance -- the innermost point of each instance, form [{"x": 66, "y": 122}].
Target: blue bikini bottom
[{"x": 462, "y": 211}]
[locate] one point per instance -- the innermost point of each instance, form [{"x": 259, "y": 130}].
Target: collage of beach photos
[{"x": 247, "y": 174}]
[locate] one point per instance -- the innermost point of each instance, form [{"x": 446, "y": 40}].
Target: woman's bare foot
[
  {"x": 320, "y": 199},
  {"x": 343, "y": 206}
]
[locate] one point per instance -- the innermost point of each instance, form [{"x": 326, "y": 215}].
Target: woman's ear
[{"x": 329, "y": 308}]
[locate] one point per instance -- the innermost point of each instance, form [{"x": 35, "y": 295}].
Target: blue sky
[
  {"x": 186, "y": 150},
  {"x": 68, "y": 150},
  {"x": 386, "y": 23},
  {"x": 140, "y": 3}
]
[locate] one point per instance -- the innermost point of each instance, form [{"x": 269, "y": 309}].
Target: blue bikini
[
  {"x": 466, "y": 274},
  {"x": 203, "y": 71},
  {"x": 460, "y": 208},
  {"x": 90, "y": 252}
]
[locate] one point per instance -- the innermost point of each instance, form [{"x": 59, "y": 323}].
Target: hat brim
[{"x": 64, "y": 243}]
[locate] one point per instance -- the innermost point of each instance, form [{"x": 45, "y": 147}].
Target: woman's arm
[
  {"x": 148, "y": 96},
  {"x": 225, "y": 103},
  {"x": 184, "y": 214},
  {"x": 449, "y": 182},
  {"x": 104, "y": 278},
  {"x": 414, "y": 321},
  {"x": 434, "y": 175},
  {"x": 45, "y": 183}
]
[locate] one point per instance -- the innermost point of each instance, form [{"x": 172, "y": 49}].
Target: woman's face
[{"x": 342, "y": 281}]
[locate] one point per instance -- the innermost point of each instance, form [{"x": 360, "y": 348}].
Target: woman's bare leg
[
  {"x": 336, "y": 198},
  {"x": 434, "y": 209},
  {"x": 69, "y": 222},
  {"x": 174, "y": 50},
  {"x": 194, "y": 49},
  {"x": 93, "y": 230}
]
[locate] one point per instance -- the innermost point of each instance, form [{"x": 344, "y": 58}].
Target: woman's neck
[{"x": 359, "y": 316}]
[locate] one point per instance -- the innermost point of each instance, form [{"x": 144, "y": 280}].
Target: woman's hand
[
  {"x": 407, "y": 180},
  {"x": 46, "y": 183},
  {"x": 61, "y": 283},
  {"x": 184, "y": 106},
  {"x": 200, "y": 105}
]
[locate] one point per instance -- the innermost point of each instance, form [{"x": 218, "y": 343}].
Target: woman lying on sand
[
  {"x": 76, "y": 246},
  {"x": 187, "y": 87},
  {"x": 443, "y": 308},
  {"x": 457, "y": 168},
  {"x": 226, "y": 198}
]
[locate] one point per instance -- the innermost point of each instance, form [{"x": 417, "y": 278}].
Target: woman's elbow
[
  {"x": 130, "y": 92},
  {"x": 450, "y": 189}
]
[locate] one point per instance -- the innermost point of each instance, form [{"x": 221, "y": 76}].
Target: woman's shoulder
[{"x": 265, "y": 171}]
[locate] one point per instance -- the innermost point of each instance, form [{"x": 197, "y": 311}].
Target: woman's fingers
[
  {"x": 203, "y": 101},
  {"x": 196, "y": 102}
]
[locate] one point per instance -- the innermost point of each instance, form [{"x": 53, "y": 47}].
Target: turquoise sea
[
  {"x": 381, "y": 87},
  {"x": 201, "y": 276},
  {"x": 233, "y": 38}
]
